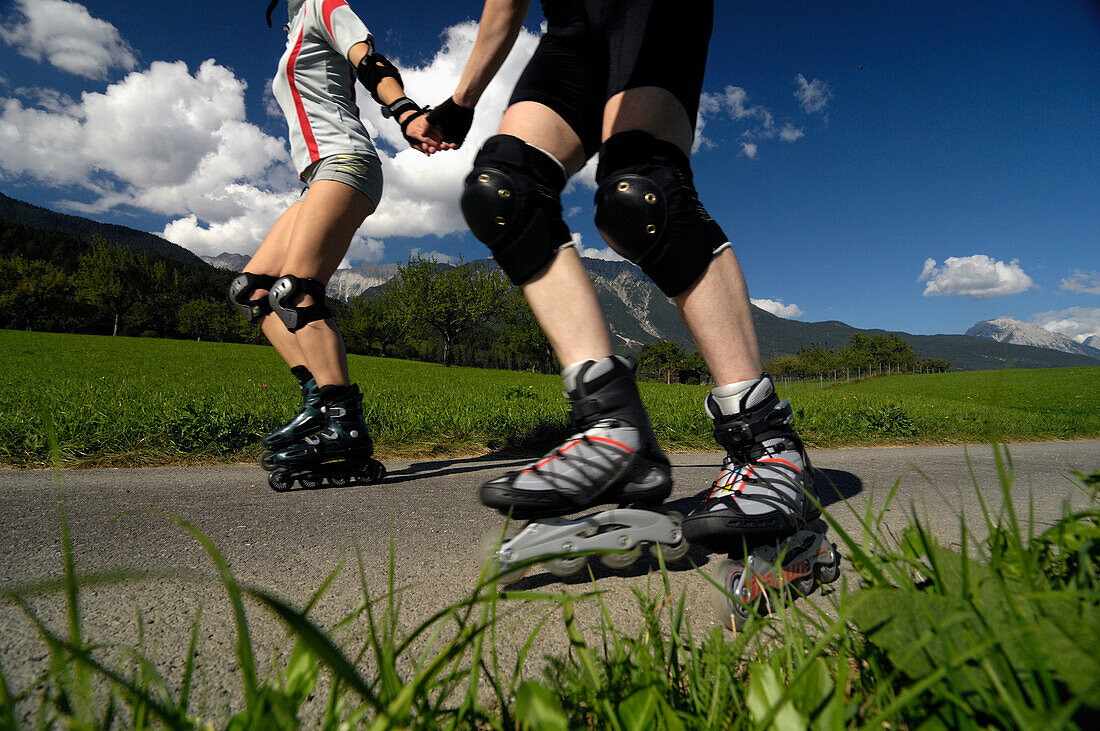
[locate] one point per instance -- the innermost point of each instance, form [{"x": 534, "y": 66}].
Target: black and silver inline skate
[
  {"x": 762, "y": 510},
  {"x": 612, "y": 458},
  {"x": 339, "y": 454},
  {"x": 308, "y": 421}
]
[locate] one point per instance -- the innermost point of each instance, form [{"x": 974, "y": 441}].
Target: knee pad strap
[
  {"x": 241, "y": 290},
  {"x": 649, "y": 212},
  {"x": 511, "y": 201},
  {"x": 284, "y": 297}
]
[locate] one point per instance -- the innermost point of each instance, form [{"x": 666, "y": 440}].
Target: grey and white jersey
[{"x": 315, "y": 82}]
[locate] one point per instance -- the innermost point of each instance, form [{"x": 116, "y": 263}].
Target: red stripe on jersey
[
  {"x": 303, "y": 120},
  {"x": 326, "y": 13}
]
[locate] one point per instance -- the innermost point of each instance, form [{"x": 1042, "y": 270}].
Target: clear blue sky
[{"x": 966, "y": 133}]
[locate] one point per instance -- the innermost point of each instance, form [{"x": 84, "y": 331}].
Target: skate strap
[
  {"x": 743, "y": 434},
  {"x": 616, "y": 399}
]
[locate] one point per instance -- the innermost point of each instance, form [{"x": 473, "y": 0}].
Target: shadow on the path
[{"x": 446, "y": 467}]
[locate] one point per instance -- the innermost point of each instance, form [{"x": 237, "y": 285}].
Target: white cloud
[
  {"x": 1082, "y": 282},
  {"x": 606, "y": 253},
  {"x": 788, "y": 133},
  {"x": 777, "y": 308},
  {"x": 222, "y": 179},
  {"x": 1079, "y": 323},
  {"x": 734, "y": 101},
  {"x": 65, "y": 34},
  {"x": 421, "y": 193},
  {"x": 977, "y": 276},
  {"x": 758, "y": 121},
  {"x": 814, "y": 96}
]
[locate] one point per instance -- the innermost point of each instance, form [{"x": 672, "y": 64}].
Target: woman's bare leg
[
  {"x": 326, "y": 220},
  {"x": 268, "y": 259}
]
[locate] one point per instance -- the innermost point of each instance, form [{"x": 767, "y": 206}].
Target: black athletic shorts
[{"x": 593, "y": 49}]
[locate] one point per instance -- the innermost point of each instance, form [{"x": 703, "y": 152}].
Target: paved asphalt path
[{"x": 428, "y": 510}]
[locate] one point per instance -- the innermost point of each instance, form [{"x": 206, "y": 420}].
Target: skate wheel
[
  {"x": 279, "y": 482},
  {"x": 671, "y": 551},
  {"x": 731, "y": 611},
  {"x": 621, "y": 559},
  {"x": 829, "y": 572},
  {"x": 312, "y": 483},
  {"x": 489, "y": 549},
  {"x": 340, "y": 480},
  {"x": 266, "y": 462},
  {"x": 374, "y": 472},
  {"x": 803, "y": 586},
  {"x": 565, "y": 566}
]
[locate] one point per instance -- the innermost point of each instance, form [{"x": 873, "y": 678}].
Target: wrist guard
[{"x": 396, "y": 108}]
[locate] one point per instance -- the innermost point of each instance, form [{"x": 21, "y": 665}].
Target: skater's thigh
[
  {"x": 328, "y": 217},
  {"x": 650, "y": 109},
  {"x": 271, "y": 254},
  {"x": 540, "y": 126}
]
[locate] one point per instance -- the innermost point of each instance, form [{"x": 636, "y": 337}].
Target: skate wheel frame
[
  {"x": 368, "y": 472},
  {"x": 807, "y": 559},
  {"x": 616, "y": 534}
]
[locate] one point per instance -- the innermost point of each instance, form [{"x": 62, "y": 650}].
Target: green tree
[
  {"x": 370, "y": 320},
  {"x": 34, "y": 295},
  {"x": 109, "y": 279},
  {"x": 201, "y": 319},
  {"x": 662, "y": 357},
  {"x": 880, "y": 349},
  {"x": 452, "y": 300},
  {"x": 524, "y": 337}
]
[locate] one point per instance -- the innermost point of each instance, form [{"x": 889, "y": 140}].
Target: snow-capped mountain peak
[{"x": 1007, "y": 330}]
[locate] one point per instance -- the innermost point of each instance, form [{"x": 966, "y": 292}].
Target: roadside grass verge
[
  {"x": 999, "y": 634},
  {"x": 139, "y": 402}
]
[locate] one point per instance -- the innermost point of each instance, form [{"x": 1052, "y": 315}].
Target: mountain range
[
  {"x": 1007, "y": 330},
  {"x": 636, "y": 311}
]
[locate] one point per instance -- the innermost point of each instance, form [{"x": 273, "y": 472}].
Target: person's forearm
[{"x": 500, "y": 23}]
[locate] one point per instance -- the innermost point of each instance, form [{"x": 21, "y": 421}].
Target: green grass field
[{"x": 130, "y": 401}]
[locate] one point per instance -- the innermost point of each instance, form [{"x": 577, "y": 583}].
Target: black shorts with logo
[{"x": 594, "y": 49}]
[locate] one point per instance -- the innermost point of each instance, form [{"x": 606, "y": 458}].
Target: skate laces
[
  {"x": 775, "y": 482},
  {"x": 583, "y": 467}
]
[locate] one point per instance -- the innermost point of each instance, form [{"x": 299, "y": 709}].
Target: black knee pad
[
  {"x": 512, "y": 203},
  {"x": 285, "y": 294},
  {"x": 648, "y": 211},
  {"x": 241, "y": 290}
]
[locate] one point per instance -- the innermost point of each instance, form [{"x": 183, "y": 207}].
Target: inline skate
[
  {"x": 308, "y": 421},
  {"x": 339, "y": 454},
  {"x": 762, "y": 510},
  {"x": 611, "y": 458}
]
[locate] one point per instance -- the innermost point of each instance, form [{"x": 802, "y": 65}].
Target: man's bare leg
[
  {"x": 716, "y": 307},
  {"x": 612, "y": 457},
  {"x": 561, "y": 295},
  {"x": 761, "y": 491}
]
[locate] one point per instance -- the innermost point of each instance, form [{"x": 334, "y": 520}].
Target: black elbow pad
[{"x": 373, "y": 69}]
